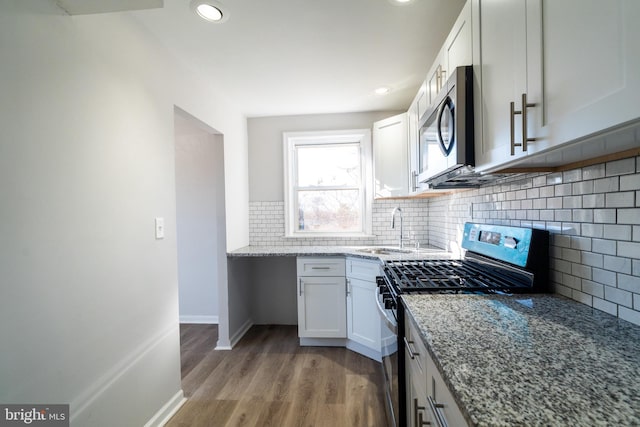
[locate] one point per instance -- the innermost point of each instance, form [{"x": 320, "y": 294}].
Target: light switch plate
[{"x": 159, "y": 228}]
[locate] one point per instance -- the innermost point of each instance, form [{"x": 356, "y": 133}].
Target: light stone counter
[
  {"x": 351, "y": 251},
  {"x": 532, "y": 360}
]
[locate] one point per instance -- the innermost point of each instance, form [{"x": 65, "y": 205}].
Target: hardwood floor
[{"x": 269, "y": 380}]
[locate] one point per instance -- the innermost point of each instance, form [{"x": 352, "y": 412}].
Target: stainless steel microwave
[{"x": 446, "y": 132}]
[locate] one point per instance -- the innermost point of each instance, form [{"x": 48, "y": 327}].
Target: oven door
[{"x": 390, "y": 366}]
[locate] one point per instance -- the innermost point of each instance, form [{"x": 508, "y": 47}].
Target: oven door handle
[{"x": 390, "y": 322}]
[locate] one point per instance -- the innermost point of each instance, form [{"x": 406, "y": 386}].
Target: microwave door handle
[{"x": 445, "y": 106}]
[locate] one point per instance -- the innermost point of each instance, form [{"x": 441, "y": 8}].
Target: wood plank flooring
[{"x": 269, "y": 380}]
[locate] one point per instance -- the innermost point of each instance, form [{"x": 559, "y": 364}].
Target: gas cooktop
[{"x": 498, "y": 258}]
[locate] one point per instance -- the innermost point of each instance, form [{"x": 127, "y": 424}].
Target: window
[{"x": 327, "y": 183}]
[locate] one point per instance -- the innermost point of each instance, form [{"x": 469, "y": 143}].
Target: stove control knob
[{"x": 389, "y": 304}]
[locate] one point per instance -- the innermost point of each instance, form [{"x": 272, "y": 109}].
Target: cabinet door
[
  {"x": 436, "y": 77},
  {"x": 458, "y": 49},
  {"x": 507, "y": 65},
  {"x": 417, "y": 405},
  {"x": 441, "y": 397},
  {"x": 363, "y": 320},
  {"x": 322, "y": 311},
  {"x": 412, "y": 145},
  {"x": 363, "y": 269},
  {"x": 390, "y": 156},
  {"x": 591, "y": 66},
  {"x": 416, "y": 378},
  {"x": 422, "y": 100}
]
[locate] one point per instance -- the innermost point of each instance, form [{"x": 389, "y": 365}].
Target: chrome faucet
[{"x": 393, "y": 223}]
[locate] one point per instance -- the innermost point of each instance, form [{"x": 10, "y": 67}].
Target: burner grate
[{"x": 454, "y": 275}]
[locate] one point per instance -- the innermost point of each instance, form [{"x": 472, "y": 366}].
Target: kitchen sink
[{"x": 384, "y": 251}]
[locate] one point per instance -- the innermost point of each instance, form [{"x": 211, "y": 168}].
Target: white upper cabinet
[
  {"x": 390, "y": 156},
  {"x": 413, "y": 139},
  {"x": 576, "y": 66},
  {"x": 458, "y": 47},
  {"x": 422, "y": 101},
  {"x": 506, "y": 58},
  {"x": 436, "y": 78},
  {"x": 591, "y": 67},
  {"x": 455, "y": 52}
]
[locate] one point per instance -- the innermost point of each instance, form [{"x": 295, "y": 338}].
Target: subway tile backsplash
[
  {"x": 266, "y": 222},
  {"x": 592, "y": 213}
]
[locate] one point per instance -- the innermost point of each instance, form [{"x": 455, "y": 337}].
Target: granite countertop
[
  {"x": 532, "y": 360},
  {"x": 351, "y": 251}
]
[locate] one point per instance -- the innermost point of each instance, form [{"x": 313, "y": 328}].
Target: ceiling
[{"x": 282, "y": 57}]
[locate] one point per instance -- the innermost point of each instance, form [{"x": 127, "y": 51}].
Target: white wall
[
  {"x": 89, "y": 298},
  {"x": 266, "y": 178},
  {"x": 200, "y": 219}
]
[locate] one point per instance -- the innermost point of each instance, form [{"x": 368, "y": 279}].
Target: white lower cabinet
[
  {"x": 364, "y": 326},
  {"x": 337, "y": 304},
  {"x": 416, "y": 379},
  {"x": 322, "y": 309},
  {"x": 429, "y": 401}
]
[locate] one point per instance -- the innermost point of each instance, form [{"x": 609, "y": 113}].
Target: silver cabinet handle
[
  {"x": 321, "y": 268},
  {"x": 300, "y": 287},
  {"x": 417, "y": 414},
  {"x": 525, "y": 137},
  {"x": 436, "y": 410},
  {"x": 348, "y": 287},
  {"x": 523, "y": 112},
  {"x": 412, "y": 352},
  {"x": 414, "y": 181}
]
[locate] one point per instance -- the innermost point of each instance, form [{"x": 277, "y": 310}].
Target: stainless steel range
[{"x": 498, "y": 258}]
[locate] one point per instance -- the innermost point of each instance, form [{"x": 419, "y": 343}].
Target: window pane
[
  {"x": 325, "y": 211},
  {"x": 330, "y": 165}
]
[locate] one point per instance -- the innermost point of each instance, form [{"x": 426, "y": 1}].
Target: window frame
[{"x": 291, "y": 140}]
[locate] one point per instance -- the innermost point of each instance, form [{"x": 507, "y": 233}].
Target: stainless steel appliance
[
  {"x": 446, "y": 132},
  {"x": 498, "y": 259},
  {"x": 390, "y": 374}
]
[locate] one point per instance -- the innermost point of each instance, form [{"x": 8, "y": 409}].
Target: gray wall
[
  {"x": 88, "y": 296},
  {"x": 266, "y": 169},
  {"x": 200, "y": 219}
]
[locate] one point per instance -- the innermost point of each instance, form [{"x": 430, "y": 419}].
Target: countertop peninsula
[{"x": 532, "y": 360}]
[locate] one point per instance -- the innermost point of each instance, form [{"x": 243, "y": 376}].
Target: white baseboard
[
  {"x": 235, "y": 338},
  {"x": 323, "y": 342},
  {"x": 205, "y": 320},
  {"x": 111, "y": 398},
  {"x": 167, "y": 411},
  {"x": 364, "y": 350}
]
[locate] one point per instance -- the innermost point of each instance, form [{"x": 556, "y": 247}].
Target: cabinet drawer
[
  {"x": 320, "y": 266},
  {"x": 441, "y": 397},
  {"x": 415, "y": 350},
  {"x": 364, "y": 270}
]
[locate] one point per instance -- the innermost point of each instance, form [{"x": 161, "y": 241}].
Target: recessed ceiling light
[
  {"x": 382, "y": 90},
  {"x": 400, "y": 2},
  {"x": 210, "y": 10}
]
